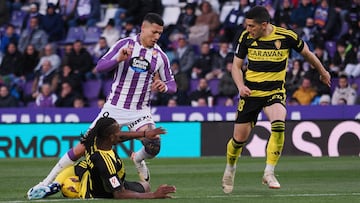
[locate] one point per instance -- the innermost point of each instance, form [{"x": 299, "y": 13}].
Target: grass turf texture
[{"x": 303, "y": 179}]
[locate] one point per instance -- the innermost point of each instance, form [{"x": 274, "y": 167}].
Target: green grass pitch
[{"x": 303, "y": 179}]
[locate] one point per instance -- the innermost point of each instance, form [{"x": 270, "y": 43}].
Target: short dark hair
[
  {"x": 259, "y": 14},
  {"x": 154, "y": 18}
]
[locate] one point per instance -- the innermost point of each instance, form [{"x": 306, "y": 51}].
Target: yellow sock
[
  {"x": 233, "y": 151},
  {"x": 276, "y": 142}
]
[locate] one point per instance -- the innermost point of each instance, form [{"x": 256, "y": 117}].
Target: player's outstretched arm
[
  {"x": 151, "y": 134},
  {"x": 162, "y": 192}
]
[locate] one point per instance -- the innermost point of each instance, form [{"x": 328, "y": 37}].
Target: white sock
[
  {"x": 230, "y": 167},
  {"x": 141, "y": 155},
  {"x": 269, "y": 168},
  {"x": 64, "y": 162}
]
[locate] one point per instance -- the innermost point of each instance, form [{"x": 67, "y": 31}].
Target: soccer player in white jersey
[{"x": 135, "y": 62}]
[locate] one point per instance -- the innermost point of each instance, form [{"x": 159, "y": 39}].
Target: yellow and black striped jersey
[
  {"x": 107, "y": 173},
  {"x": 267, "y": 59}
]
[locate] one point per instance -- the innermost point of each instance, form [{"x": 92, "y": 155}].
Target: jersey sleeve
[
  {"x": 241, "y": 50},
  {"x": 295, "y": 41}
]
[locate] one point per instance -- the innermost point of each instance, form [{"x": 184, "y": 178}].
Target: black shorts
[
  {"x": 134, "y": 186},
  {"x": 250, "y": 107}
]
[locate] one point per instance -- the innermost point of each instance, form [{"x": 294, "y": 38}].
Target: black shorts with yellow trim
[{"x": 250, "y": 107}]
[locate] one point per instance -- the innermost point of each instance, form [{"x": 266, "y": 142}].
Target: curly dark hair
[{"x": 104, "y": 127}]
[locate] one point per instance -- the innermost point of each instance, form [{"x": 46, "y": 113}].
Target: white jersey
[{"x": 132, "y": 80}]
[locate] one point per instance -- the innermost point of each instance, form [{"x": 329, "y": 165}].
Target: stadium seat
[
  {"x": 109, "y": 13},
  {"x": 213, "y": 84},
  {"x": 193, "y": 84},
  {"x": 330, "y": 47},
  {"x": 106, "y": 88},
  {"x": 171, "y": 14},
  {"x": 91, "y": 89},
  {"x": 92, "y": 35},
  {"x": 226, "y": 8},
  {"x": 74, "y": 33},
  {"x": 17, "y": 18}
]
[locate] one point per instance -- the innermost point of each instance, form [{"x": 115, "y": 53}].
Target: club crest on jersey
[
  {"x": 277, "y": 44},
  {"x": 139, "y": 64}
]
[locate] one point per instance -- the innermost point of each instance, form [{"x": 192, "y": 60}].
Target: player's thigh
[
  {"x": 242, "y": 131},
  {"x": 274, "y": 112},
  {"x": 140, "y": 187}
]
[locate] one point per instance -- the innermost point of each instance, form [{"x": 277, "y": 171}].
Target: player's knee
[{"x": 152, "y": 146}]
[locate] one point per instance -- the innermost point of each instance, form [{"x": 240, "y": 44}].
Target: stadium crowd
[{"x": 49, "y": 48}]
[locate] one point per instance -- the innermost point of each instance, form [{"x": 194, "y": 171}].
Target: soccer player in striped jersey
[
  {"x": 137, "y": 62},
  {"x": 102, "y": 173},
  {"x": 261, "y": 87}
]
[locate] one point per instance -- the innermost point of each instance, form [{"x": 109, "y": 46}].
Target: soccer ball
[{"x": 71, "y": 187}]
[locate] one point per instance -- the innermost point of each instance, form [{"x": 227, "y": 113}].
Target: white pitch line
[{"x": 278, "y": 195}]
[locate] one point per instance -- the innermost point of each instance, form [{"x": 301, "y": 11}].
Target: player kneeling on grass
[{"x": 102, "y": 173}]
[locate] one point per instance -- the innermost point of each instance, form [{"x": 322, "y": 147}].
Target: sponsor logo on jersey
[
  {"x": 114, "y": 182},
  {"x": 139, "y": 64}
]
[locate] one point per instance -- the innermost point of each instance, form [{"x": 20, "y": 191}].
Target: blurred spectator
[
  {"x": 185, "y": 53},
  {"x": 11, "y": 65},
  {"x": 202, "y": 92},
  {"x": 299, "y": 15},
  {"x": 101, "y": 102},
  {"x": 221, "y": 57},
  {"x": 343, "y": 92},
  {"x": 67, "y": 11},
  {"x": 204, "y": 63},
  {"x": 100, "y": 48},
  {"x": 316, "y": 83},
  {"x": 53, "y": 24},
  {"x": 186, "y": 19},
  {"x": 10, "y": 35},
  {"x": 342, "y": 57},
  {"x": 33, "y": 35},
  {"x": 172, "y": 102},
  {"x": 66, "y": 96},
  {"x": 79, "y": 102},
  {"x": 68, "y": 75},
  {"x": 4, "y": 13},
  {"x": 234, "y": 22},
  {"x": 293, "y": 102},
  {"x": 32, "y": 13},
  {"x": 227, "y": 86},
  {"x": 66, "y": 52},
  {"x": 293, "y": 77},
  {"x": 283, "y": 13},
  {"x": 46, "y": 97},
  {"x": 111, "y": 33},
  {"x": 137, "y": 9},
  {"x": 6, "y": 99},
  {"x": 47, "y": 74},
  {"x": 325, "y": 100},
  {"x": 48, "y": 53},
  {"x": 310, "y": 34},
  {"x": 206, "y": 25},
  {"x": 352, "y": 69},
  {"x": 201, "y": 102},
  {"x": 120, "y": 15},
  {"x": 87, "y": 13},
  {"x": 31, "y": 59},
  {"x": 80, "y": 60},
  {"x": 229, "y": 102},
  {"x": 353, "y": 16},
  {"x": 305, "y": 92},
  {"x": 129, "y": 29},
  {"x": 327, "y": 20},
  {"x": 182, "y": 83}
]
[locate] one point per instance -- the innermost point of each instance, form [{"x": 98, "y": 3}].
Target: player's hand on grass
[{"x": 163, "y": 191}]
